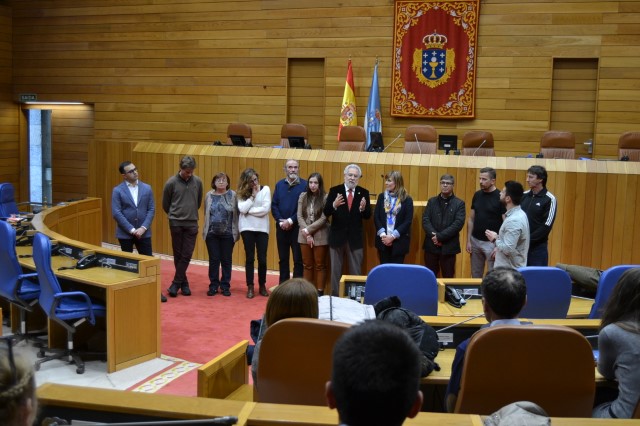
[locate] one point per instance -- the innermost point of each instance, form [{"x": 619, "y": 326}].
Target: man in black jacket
[
  {"x": 347, "y": 205},
  {"x": 540, "y": 206},
  {"x": 442, "y": 220}
]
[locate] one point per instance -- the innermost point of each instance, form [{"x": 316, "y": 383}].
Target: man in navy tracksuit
[
  {"x": 540, "y": 205},
  {"x": 284, "y": 208}
]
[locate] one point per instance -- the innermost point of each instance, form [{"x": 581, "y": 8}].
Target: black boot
[
  {"x": 263, "y": 291},
  {"x": 250, "y": 292}
]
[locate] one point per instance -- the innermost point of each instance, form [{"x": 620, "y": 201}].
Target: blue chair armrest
[
  {"x": 26, "y": 276},
  {"x": 84, "y": 295}
]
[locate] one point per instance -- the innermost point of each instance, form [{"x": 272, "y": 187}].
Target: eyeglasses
[
  {"x": 132, "y": 170},
  {"x": 445, "y": 183},
  {"x": 12, "y": 365}
]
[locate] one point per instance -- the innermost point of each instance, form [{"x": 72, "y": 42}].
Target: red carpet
[{"x": 197, "y": 328}]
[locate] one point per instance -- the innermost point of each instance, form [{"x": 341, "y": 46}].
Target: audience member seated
[
  {"x": 619, "y": 349},
  {"x": 294, "y": 299},
  {"x": 504, "y": 294},
  {"x": 376, "y": 376},
  {"x": 18, "y": 403}
]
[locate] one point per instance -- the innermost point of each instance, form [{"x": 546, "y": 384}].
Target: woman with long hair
[
  {"x": 220, "y": 232},
  {"x": 619, "y": 348},
  {"x": 392, "y": 218},
  {"x": 294, "y": 298},
  {"x": 254, "y": 205},
  {"x": 313, "y": 235}
]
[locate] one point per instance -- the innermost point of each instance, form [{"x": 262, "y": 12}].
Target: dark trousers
[
  {"x": 255, "y": 240},
  {"x": 385, "y": 255},
  {"x": 441, "y": 262},
  {"x": 220, "y": 250},
  {"x": 538, "y": 255},
  {"x": 288, "y": 240},
  {"x": 143, "y": 245},
  {"x": 183, "y": 241}
]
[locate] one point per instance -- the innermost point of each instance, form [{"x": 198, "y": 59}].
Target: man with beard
[
  {"x": 512, "y": 242},
  {"x": 284, "y": 208},
  {"x": 487, "y": 213},
  {"x": 347, "y": 205}
]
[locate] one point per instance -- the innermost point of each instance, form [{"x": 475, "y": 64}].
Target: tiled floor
[{"x": 95, "y": 375}]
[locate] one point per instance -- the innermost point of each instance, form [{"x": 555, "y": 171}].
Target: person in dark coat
[
  {"x": 442, "y": 220},
  {"x": 392, "y": 217}
]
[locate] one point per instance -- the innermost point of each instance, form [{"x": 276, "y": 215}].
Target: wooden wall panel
[
  {"x": 10, "y": 162},
  {"x": 587, "y": 231}
]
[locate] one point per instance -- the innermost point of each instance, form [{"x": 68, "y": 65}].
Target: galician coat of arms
[{"x": 433, "y": 66}]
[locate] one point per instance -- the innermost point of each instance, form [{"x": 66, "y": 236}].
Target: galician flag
[
  {"x": 348, "y": 116},
  {"x": 373, "y": 118}
]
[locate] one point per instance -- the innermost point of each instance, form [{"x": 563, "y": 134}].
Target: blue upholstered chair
[
  {"x": 21, "y": 290},
  {"x": 548, "y": 292},
  {"x": 69, "y": 309},
  {"x": 8, "y": 204},
  {"x": 608, "y": 280},
  {"x": 415, "y": 285}
]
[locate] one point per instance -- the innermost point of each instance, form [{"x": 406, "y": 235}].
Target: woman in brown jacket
[{"x": 314, "y": 232}]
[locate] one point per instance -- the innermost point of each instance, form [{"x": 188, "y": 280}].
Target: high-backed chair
[
  {"x": 8, "y": 204},
  {"x": 607, "y": 282},
  {"x": 295, "y": 360},
  {"x": 415, "y": 285},
  {"x": 420, "y": 139},
  {"x": 20, "y": 290},
  {"x": 629, "y": 146},
  {"x": 478, "y": 143},
  {"x": 558, "y": 144},
  {"x": 69, "y": 309},
  {"x": 548, "y": 292},
  {"x": 240, "y": 129},
  {"x": 293, "y": 130},
  {"x": 352, "y": 138},
  {"x": 551, "y": 366}
]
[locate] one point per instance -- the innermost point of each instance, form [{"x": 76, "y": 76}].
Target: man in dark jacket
[
  {"x": 540, "y": 205},
  {"x": 442, "y": 220}
]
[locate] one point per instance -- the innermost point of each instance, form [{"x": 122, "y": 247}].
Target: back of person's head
[
  {"x": 623, "y": 306},
  {"x": 17, "y": 389},
  {"x": 514, "y": 190},
  {"x": 505, "y": 291},
  {"x": 376, "y": 375},
  {"x": 294, "y": 298}
]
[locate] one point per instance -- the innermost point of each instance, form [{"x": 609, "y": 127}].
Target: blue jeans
[{"x": 220, "y": 250}]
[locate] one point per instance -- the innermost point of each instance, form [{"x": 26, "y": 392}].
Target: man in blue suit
[{"x": 133, "y": 208}]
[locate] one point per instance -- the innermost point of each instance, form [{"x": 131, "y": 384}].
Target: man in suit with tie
[
  {"x": 133, "y": 208},
  {"x": 346, "y": 206}
]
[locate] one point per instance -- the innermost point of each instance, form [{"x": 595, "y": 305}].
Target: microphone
[
  {"x": 392, "y": 142},
  {"x": 479, "y": 146},
  {"x": 458, "y": 323},
  {"x": 418, "y": 143}
]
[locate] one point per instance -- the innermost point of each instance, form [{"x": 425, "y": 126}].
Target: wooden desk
[
  {"x": 132, "y": 298},
  {"x": 579, "y": 308},
  {"x": 122, "y": 406}
]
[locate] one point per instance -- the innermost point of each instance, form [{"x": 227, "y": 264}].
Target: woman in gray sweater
[{"x": 619, "y": 347}]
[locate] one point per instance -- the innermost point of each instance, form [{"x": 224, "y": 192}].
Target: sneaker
[
  {"x": 226, "y": 293},
  {"x": 173, "y": 290},
  {"x": 185, "y": 290},
  {"x": 212, "y": 292}
]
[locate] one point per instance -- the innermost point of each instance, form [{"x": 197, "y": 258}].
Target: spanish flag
[{"x": 348, "y": 116}]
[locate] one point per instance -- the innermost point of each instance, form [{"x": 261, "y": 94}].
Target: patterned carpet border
[{"x": 158, "y": 381}]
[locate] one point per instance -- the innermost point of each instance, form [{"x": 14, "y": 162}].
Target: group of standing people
[{"x": 508, "y": 227}]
